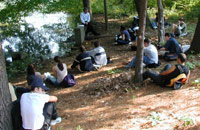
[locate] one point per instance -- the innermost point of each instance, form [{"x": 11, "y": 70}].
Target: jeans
[
  {"x": 53, "y": 80},
  {"x": 157, "y": 78},
  {"x": 169, "y": 57},
  {"x": 122, "y": 42},
  {"x": 146, "y": 61},
  {"x": 90, "y": 29}
]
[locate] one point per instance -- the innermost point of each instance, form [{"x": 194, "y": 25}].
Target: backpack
[
  {"x": 69, "y": 81},
  {"x": 179, "y": 80}
]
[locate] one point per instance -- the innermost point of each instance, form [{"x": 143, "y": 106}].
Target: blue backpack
[{"x": 69, "y": 81}]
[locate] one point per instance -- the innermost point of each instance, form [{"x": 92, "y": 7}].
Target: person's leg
[
  {"x": 133, "y": 62},
  {"x": 166, "y": 68},
  {"x": 146, "y": 60},
  {"x": 122, "y": 42},
  {"x": 91, "y": 29},
  {"x": 170, "y": 57},
  {"x": 153, "y": 76},
  {"x": 53, "y": 80}
]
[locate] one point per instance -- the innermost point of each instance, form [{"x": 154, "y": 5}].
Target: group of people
[{"x": 38, "y": 109}]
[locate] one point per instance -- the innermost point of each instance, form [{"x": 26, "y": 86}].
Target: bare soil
[{"x": 104, "y": 101}]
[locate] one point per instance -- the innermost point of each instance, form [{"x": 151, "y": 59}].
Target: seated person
[
  {"x": 59, "y": 71},
  {"x": 172, "y": 47},
  {"x": 133, "y": 31},
  {"x": 169, "y": 72},
  {"x": 85, "y": 19},
  {"x": 38, "y": 109},
  {"x": 150, "y": 55},
  {"x": 123, "y": 38},
  {"x": 98, "y": 54},
  {"x": 83, "y": 61},
  {"x": 32, "y": 74},
  {"x": 155, "y": 22},
  {"x": 180, "y": 29}
]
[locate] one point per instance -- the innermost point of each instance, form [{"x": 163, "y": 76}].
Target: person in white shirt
[
  {"x": 38, "y": 109},
  {"x": 85, "y": 20},
  {"x": 98, "y": 54},
  {"x": 59, "y": 71},
  {"x": 150, "y": 55}
]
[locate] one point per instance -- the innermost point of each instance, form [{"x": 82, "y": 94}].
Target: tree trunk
[
  {"x": 140, "y": 45},
  {"x": 87, "y": 4},
  {"x": 161, "y": 26},
  {"x": 5, "y": 103},
  {"x": 138, "y": 5},
  {"x": 106, "y": 15},
  {"x": 195, "y": 46}
]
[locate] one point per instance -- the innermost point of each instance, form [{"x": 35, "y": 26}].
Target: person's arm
[
  {"x": 82, "y": 18},
  {"x": 123, "y": 36},
  {"x": 88, "y": 17},
  {"x": 54, "y": 71},
  {"x": 53, "y": 99},
  {"x": 171, "y": 69},
  {"x": 76, "y": 62},
  {"x": 188, "y": 77}
]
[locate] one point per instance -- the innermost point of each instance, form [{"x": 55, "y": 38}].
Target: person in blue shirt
[
  {"x": 123, "y": 38},
  {"x": 172, "y": 47}
]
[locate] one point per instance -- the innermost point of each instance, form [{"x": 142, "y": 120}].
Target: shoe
[{"x": 56, "y": 121}]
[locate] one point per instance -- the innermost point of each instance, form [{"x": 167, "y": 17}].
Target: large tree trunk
[
  {"x": 140, "y": 45},
  {"x": 138, "y": 5},
  {"x": 106, "y": 15},
  {"x": 5, "y": 103},
  {"x": 161, "y": 26},
  {"x": 195, "y": 45},
  {"x": 87, "y": 4}
]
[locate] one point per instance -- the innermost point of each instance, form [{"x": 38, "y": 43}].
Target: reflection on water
[{"x": 40, "y": 35}]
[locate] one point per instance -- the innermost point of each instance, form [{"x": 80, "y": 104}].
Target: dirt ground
[{"x": 110, "y": 101}]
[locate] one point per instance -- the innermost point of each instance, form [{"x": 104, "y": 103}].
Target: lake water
[{"x": 50, "y": 30}]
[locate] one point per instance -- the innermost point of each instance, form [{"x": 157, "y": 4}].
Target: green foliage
[
  {"x": 187, "y": 121},
  {"x": 115, "y": 71},
  {"x": 190, "y": 65},
  {"x": 196, "y": 82},
  {"x": 79, "y": 128}
]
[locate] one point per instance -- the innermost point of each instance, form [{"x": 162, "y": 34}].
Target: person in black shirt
[
  {"x": 83, "y": 61},
  {"x": 169, "y": 72}
]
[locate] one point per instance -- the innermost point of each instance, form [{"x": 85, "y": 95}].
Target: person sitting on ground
[
  {"x": 59, "y": 71},
  {"x": 133, "y": 31},
  {"x": 98, "y": 54},
  {"x": 38, "y": 110},
  {"x": 155, "y": 22},
  {"x": 83, "y": 61},
  {"x": 85, "y": 19},
  {"x": 123, "y": 38},
  {"x": 169, "y": 72},
  {"x": 172, "y": 47},
  {"x": 32, "y": 74},
  {"x": 180, "y": 29},
  {"x": 150, "y": 55}
]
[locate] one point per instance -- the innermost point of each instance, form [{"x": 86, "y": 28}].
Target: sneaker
[{"x": 56, "y": 121}]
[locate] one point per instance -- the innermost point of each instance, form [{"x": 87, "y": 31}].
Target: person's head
[
  {"x": 167, "y": 36},
  {"x": 96, "y": 44},
  {"x": 30, "y": 69},
  {"x": 60, "y": 64},
  {"x": 82, "y": 49},
  {"x": 180, "y": 20},
  {"x": 85, "y": 10},
  {"x": 146, "y": 42},
  {"x": 122, "y": 28},
  {"x": 38, "y": 86},
  {"x": 181, "y": 58}
]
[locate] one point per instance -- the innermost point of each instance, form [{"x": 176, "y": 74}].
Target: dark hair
[
  {"x": 182, "y": 57},
  {"x": 96, "y": 44},
  {"x": 167, "y": 34},
  {"x": 30, "y": 69},
  {"x": 122, "y": 28},
  {"x": 60, "y": 64},
  {"x": 85, "y": 8},
  {"x": 82, "y": 48},
  {"x": 181, "y": 19},
  {"x": 146, "y": 40}
]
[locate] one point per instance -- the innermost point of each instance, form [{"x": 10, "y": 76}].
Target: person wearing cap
[
  {"x": 168, "y": 72},
  {"x": 83, "y": 61},
  {"x": 38, "y": 109},
  {"x": 180, "y": 29},
  {"x": 172, "y": 48},
  {"x": 150, "y": 55},
  {"x": 98, "y": 54},
  {"x": 85, "y": 20}
]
